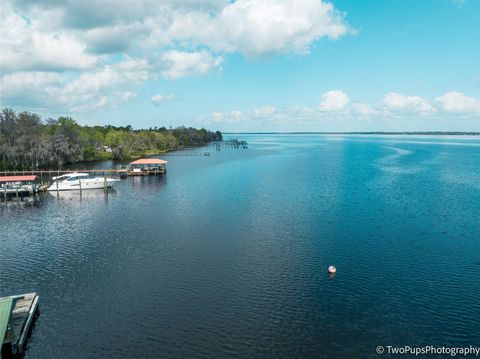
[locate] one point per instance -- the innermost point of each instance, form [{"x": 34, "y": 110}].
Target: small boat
[{"x": 80, "y": 181}]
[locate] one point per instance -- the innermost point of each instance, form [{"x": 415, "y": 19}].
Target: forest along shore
[{"x": 27, "y": 141}]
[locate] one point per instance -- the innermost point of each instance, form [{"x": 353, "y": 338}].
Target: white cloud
[
  {"x": 87, "y": 40},
  {"x": 28, "y": 88},
  {"x": 456, "y": 102},
  {"x": 181, "y": 64},
  {"x": 336, "y": 107},
  {"x": 24, "y": 47},
  {"x": 22, "y": 80},
  {"x": 112, "y": 82},
  {"x": 397, "y": 102},
  {"x": 160, "y": 99},
  {"x": 85, "y": 28},
  {"x": 91, "y": 54},
  {"x": 334, "y": 100},
  {"x": 110, "y": 76},
  {"x": 259, "y": 28}
]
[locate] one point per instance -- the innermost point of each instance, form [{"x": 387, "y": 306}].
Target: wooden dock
[
  {"x": 58, "y": 172},
  {"x": 233, "y": 143},
  {"x": 18, "y": 312}
]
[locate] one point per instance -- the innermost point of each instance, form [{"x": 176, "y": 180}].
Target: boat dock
[
  {"x": 147, "y": 166},
  {"x": 17, "y": 314},
  {"x": 142, "y": 166},
  {"x": 233, "y": 143},
  {"x": 51, "y": 173},
  {"x": 18, "y": 185},
  {"x": 25, "y": 182}
]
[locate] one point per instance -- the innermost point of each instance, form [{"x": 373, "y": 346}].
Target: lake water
[{"x": 227, "y": 255}]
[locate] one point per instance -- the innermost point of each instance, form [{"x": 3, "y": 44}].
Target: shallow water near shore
[{"x": 227, "y": 255}]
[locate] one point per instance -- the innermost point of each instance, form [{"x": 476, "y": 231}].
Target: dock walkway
[{"x": 17, "y": 315}]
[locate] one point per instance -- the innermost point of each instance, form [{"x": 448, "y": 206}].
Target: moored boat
[{"x": 80, "y": 181}]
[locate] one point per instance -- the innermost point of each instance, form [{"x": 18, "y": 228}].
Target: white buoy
[{"x": 332, "y": 270}]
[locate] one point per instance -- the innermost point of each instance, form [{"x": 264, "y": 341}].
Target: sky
[{"x": 245, "y": 65}]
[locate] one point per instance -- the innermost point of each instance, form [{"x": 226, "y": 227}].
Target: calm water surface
[{"x": 227, "y": 255}]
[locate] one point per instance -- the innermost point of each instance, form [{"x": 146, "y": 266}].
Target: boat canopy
[
  {"x": 17, "y": 178},
  {"x": 149, "y": 161}
]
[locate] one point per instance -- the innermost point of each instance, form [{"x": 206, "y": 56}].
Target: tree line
[{"x": 26, "y": 141}]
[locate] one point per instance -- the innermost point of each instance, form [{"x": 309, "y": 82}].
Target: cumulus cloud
[
  {"x": 160, "y": 99},
  {"x": 181, "y": 64},
  {"x": 456, "y": 102},
  {"x": 25, "y": 47},
  {"x": 28, "y": 88},
  {"x": 85, "y": 40},
  {"x": 258, "y": 28},
  {"x": 334, "y": 100},
  {"x": 21, "y": 80},
  {"x": 109, "y": 85},
  {"x": 397, "y": 102},
  {"x": 335, "y": 106},
  {"x": 254, "y": 28}
]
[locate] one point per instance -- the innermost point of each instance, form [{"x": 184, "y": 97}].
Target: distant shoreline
[{"x": 441, "y": 133}]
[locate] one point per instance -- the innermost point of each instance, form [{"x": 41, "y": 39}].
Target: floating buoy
[{"x": 332, "y": 270}]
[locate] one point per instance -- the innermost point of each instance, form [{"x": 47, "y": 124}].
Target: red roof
[
  {"x": 17, "y": 178},
  {"x": 149, "y": 161}
]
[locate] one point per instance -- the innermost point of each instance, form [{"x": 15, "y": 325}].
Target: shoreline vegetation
[{"x": 28, "y": 142}]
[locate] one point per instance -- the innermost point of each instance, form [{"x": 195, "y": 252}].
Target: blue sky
[{"x": 274, "y": 65}]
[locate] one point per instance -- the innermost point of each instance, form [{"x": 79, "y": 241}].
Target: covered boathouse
[
  {"x": 147, "y": 166},
  {"x": 18, "y": 184}
]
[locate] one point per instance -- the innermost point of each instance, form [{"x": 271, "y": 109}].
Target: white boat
[{"x": 80, "y": 181}]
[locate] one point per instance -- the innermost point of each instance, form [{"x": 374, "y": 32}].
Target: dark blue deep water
[{"x": 227, "y": 256}]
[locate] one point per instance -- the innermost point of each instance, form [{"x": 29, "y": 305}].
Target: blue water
[{"x": 227, "y": 256}]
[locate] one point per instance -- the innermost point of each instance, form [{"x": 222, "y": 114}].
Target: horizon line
[{"x": 470, "y": 133}]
